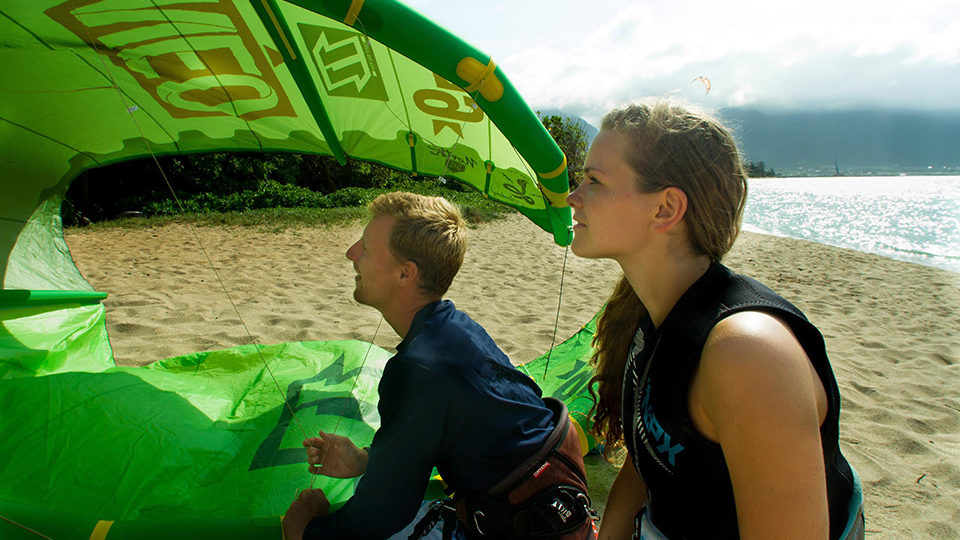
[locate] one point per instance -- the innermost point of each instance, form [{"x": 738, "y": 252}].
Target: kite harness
[{"x": 545, "y": 497}]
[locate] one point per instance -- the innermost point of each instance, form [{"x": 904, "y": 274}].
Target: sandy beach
[{"x": 891, "y": 328}]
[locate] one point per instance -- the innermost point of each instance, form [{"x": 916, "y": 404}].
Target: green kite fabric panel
[
  {"x": 207, "y": 436},
  {"x": 44, "y": 337},
  {"x": 209, "y": 439}
]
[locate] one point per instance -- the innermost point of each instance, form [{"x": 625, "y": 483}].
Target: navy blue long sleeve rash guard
[{"x": 449, "y": 398}]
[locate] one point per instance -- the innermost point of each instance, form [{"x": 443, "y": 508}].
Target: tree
[
  {"x": 572, "y": 140},
  {"x": 758, "y": 170}
]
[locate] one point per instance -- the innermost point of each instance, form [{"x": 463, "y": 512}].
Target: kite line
[{"x": 24, "y": 527}]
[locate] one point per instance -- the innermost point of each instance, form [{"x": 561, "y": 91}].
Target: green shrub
[
  {"x": 353, "y": 196},
  {"x": 269, "y": 195}
]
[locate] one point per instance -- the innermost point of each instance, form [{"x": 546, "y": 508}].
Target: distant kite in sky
[{"x": 706, "y": 84}]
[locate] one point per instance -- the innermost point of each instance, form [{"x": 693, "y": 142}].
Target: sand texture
[{"x": 891, "y": 328}]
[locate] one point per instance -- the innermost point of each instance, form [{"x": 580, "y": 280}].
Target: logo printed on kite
[
  {"x": 175, "y": 65},
  {"x": 345, "y": 62},
  {"x": 454, "y": 162},
  {"x": 327, "y": 393},
  {"x": 520, "y": 190},
  {"x": 445, "y": 103}
]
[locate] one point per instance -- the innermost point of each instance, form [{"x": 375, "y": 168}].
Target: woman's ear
[{"x": 671, "y": 209}]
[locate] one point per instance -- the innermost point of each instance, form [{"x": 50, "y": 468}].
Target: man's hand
[
  {"x": 335, "y": 456},
  {"x": 310, "y": 504}
]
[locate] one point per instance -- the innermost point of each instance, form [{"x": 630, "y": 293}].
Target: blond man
[{"x": 449, "y": 398}]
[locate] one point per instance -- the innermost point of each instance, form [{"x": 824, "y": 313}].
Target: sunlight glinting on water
[{"x": 910, "y": 218}]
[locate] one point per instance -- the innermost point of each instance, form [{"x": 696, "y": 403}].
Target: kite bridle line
[
  {"x": 563, "y": 272},
  {"x": 336, "y": 427},
  {"x": 556, "y": 322},
  {"x": 24, "y": 527}
]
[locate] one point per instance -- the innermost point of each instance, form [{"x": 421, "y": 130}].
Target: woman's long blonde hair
[{"x": 672, "y": 146}]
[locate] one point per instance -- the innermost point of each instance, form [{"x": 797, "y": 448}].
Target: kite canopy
[
  {"x": 203, "y": 443},
  {"x": 90, "y": 82}
]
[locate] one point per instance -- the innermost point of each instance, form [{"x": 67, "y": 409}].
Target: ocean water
[{"x": 910, "y": 218}]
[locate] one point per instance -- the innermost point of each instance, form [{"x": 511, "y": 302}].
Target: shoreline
[
  {"x": 753, "y": 229},
  {"x": 890, "y": 326},
  {"x": 907, "y": 218}
]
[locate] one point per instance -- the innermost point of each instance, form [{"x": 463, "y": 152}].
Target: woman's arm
[
  {"x": 757, "y": 394},
  {"x": 627, "y": 495}
]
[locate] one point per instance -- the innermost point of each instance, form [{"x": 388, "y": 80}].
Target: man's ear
[
  {"x": 409, "y": 273},
  {"x": 671, "y": 209}
]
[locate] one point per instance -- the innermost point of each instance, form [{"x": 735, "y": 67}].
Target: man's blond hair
[{"x": 428, "y": 231}]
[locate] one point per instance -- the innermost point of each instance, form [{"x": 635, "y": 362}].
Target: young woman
[{"x": 720, "y": 389}]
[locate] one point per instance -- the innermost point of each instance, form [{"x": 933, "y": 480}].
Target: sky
[{"x": 588, "y": 56}]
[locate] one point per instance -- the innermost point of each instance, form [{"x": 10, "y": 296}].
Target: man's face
[{"x": 377, "y": 269}]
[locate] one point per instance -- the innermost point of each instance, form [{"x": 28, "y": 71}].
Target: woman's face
[{"x": 611, "y": 215}]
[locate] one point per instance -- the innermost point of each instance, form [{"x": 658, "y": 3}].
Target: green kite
[{"x": 205, "y": 444}]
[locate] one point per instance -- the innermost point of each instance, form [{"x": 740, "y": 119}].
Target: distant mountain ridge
[{"x": 863, "y": 142}]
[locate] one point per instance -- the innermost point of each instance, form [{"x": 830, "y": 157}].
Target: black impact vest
[{"x": 691, "y": 495}]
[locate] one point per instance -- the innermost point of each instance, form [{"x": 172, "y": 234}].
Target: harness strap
[
  {"x": 544, "y": 497},
  {"x": 530, "y": 465}
]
